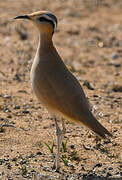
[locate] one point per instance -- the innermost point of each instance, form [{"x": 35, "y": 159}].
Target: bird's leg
[
  {"x": 60, "y": 134},
  {"x": 59, "y": 140},
  {"x": 63, "y": 130}
]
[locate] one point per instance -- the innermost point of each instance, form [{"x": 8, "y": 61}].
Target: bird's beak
[{"x": 22, "y": 17}]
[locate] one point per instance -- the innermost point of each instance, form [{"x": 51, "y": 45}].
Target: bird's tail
[{"x": 91, "y": 122}]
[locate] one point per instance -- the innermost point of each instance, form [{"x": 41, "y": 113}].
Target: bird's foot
[{"x": 56, "y": 166}]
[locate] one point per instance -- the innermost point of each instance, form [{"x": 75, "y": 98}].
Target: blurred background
[{"x": 89, "y": 40}]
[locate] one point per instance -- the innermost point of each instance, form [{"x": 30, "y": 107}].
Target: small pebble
[
  {"x": 7, "y": 38},
  {"x": 7, "y": 110},
  {"x": 10, "y": 178},
  {"x": 1, "y": 119},
  {"x": 16, "y": 164},
  {"x": 14, "y": 159},
  {"x": 17, "y": 107},
  {"x": 9, "y": 116},
  {"x": 39, "y": 153},
  {"x": 9, "y": 166},
  {"x": 23, "y": 161},
  {"x": 115, "y": 56},
  {"x": 31, "y": 155},
  {"x": 95, "y": 95},
  {"x": 110, "y": 168},
  {"x": 101, "y": 44},
  {"x": 88, "y": 85},
  {"x": 98, "y": 165},
  {"x": 72, "y": 146},
  {"x": 112, "y": 63},
  {"x": 6, "y": 159},
  {"x": 117, "y": 65},
  {"x": 117, "y": 88},
  {"x": 1, "y": 161},
  {"x": 8, "y": 96},
  {"x": 17, "y": 77},
  {"x": 109, "y": 174},
  {"x": 26, "y": 111}
]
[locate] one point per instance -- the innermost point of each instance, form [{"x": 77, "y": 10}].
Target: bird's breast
[
  {"x": 43, "y": 80},
  {"x": 39, "y": 80}
]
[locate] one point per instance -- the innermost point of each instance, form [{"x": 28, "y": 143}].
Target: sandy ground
[{"x": 89, "y": 39}]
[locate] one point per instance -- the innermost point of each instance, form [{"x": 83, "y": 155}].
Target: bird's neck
[
  {"x": 45, "y": 41},
  {"x": 45, "y": 47}
]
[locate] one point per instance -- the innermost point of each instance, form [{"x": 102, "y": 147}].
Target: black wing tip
[
  {"x": 106, "y": 135},
  {"x": 103, "y": 133}
]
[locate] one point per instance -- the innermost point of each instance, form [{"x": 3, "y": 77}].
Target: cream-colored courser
[{"x": 54, "y": 85}]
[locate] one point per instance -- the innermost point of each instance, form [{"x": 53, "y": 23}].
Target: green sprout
[
  {"x": 50, "y": 147},
  {"x": 24, "y": 170},
  {"x": 64, "y": 145},
  {"x": 65, "y": 159}
]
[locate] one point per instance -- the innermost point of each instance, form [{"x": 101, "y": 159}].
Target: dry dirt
[{"x": 89, "y": 39}]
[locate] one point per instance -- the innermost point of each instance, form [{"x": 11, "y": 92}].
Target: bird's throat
[{"x": 45, "y": 40}]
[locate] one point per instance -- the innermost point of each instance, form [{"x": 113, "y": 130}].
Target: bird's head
[{"x": 44, "y": 20}]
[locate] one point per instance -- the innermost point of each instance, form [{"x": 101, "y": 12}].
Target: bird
[{"x": 55, "y": 86}]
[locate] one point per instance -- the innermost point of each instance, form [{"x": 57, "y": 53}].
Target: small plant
[
  {"x": 50, "y": 147},
  {"x": 24, "y": 170},
  {"x": 65, "y": 159},
  {"x": 64, "y": 145},
  {"x": 74, "y": 155}
]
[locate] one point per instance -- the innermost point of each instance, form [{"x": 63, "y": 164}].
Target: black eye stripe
[{"x": 43, "y": 19}]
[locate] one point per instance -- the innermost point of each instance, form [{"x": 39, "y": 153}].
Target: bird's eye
[{"x": 42, "y": 19}]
